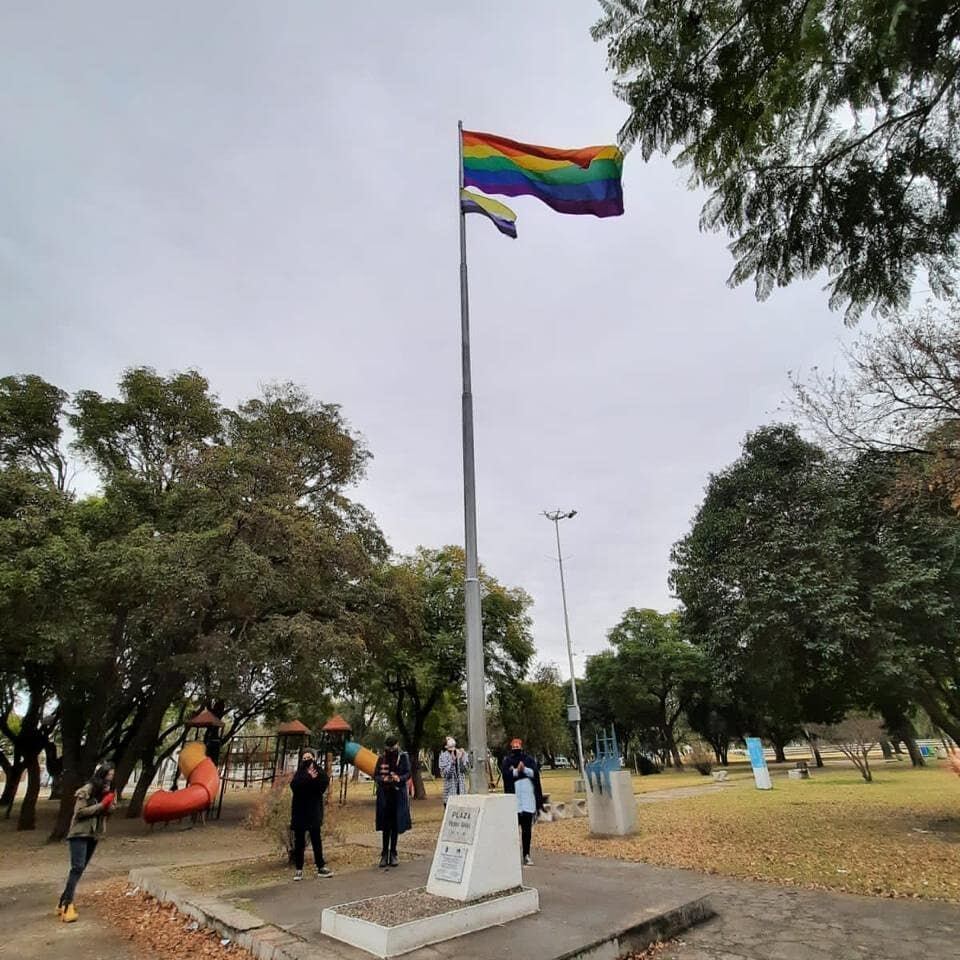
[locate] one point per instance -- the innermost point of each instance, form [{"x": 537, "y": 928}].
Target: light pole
[{"x": 574, "y": 713}]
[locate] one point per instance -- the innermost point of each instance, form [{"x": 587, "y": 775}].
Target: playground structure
[
  {"x": 203, "y": 784},
  {"x": 249, "y": 761}
]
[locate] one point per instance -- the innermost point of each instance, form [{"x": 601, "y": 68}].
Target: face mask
[{"x": 517, "y": 754}]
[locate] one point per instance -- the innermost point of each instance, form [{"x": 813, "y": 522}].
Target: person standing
[
  {"x": 92, "y": 805},
  {"x": 309, "y": 784},
  {"x": 521, "y": 776},
  {"x": 453, "y": 768},
  {"x": 393, "y": 804}
]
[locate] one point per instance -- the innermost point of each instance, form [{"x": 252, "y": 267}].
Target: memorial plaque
[
  {"x": 460, "y": 824},
  {"x": 451, "y": 859}
]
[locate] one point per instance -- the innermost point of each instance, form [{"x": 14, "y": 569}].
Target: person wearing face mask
[
  {"x": 453, "y": 767},
  {"x": 92, "y": 805},
  {"x": 309, "y": 784},
  {"x": 393, "y": 805},
  {"x": 521, "y": 776}
]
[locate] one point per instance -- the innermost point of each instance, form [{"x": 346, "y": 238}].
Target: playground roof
[
  {"x": 336, "y": 724},
  {"x": 292, "y": 726},
  {"x": 204, "y": 719}
]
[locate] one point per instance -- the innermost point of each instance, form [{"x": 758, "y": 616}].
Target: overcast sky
[{"x": 267, "y": 191}]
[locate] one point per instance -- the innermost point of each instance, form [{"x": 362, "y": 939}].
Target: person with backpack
[
  {"x": 393, "y": 804},
  {"x": 92, "y": 805},
  {"x": 309, "y": 784},
  {"x": 521, "y": 776}
]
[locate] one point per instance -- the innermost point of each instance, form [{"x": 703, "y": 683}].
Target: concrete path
[
  {"x": 582, "y": 902},
  {"x": 761, "y": 922},
  {"x": 755, "y": 921}
]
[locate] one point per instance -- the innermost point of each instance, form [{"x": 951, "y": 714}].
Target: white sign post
[{"x": 759, "y": 763}]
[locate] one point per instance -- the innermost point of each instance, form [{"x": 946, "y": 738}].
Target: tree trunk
[
  {"x": 887, "y": 749},
  {"x": 672, "y": 748},
  {"x": 419, "y": 790},
  {"x": 11, "y": 786},
  {"x": 135, "y": 807},
  {"x": 55, "y": 769},
  {"x": 28, "y": 809},
  {"x": 916, "y": 757},
  {"x": 779, "y": 754}
]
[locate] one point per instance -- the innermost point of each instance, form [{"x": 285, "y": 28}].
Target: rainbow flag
[
  {"x": 502, "y": 216},
  {"x": 569, "y": 181}
]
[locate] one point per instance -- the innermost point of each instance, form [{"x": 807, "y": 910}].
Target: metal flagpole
[{"x": 476, "y": 686}]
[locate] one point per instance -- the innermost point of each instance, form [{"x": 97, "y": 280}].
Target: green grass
[{"x": 896, "y": 837}]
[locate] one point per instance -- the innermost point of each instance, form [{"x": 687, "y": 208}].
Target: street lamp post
[{"x": 556, "y": 516}]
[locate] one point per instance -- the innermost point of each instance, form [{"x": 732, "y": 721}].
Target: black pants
[
  {"x": 526, "y": 831},
  {"x": 390, "y": 839},
  {"x": 300, "y": 845},
  {"x": 81, "y": 853}
]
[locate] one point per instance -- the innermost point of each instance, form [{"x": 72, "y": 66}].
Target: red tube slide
[{"x": 203, "y": 782}]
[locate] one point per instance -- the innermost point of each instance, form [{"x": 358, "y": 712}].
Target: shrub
[
  {"x": 270, "y": 817},
  {"x": 647, "y": 766},
  {"x": 702, "y": 762}
]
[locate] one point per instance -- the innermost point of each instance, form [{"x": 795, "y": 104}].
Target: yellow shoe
[{"x": 70, "y": 914}]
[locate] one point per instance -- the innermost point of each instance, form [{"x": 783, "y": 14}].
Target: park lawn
[
  {"x": 896, "y": 837},
  {"x": 559, "y": 783}
]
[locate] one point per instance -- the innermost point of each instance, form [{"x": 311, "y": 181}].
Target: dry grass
[{"x": 896, "y": 837}]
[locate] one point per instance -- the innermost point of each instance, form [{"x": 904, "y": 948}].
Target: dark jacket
[
  {"x": 392, "y": 795},
  {"x": 509, "y": 780},
  {"x": 306, "y": 808}
]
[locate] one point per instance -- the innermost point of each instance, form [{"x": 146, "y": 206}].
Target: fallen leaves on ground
[
  {"x": 159, "y": 931},
  {"x": 653, "y": 952},
  {"x": 896, "y": 837}
]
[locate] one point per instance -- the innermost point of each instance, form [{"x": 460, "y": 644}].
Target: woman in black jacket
[
  {"x": 309, "y": 784},
  {"x": 393, "y": 804}
]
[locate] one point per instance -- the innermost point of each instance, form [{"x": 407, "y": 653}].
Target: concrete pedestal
[
  {"x": 478, "y": 850},
  {"x": 613, "y": 812}
]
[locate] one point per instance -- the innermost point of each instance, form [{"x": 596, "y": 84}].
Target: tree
[
  {"x": 221, "y": 564},
  {"x": 536, "y": 711},
  {"x": 645, "y": 682},
  {"x": 767, "y": 589},
  {"x": 854, "y": 736},
  {"x": 651, "y": 654},
  {"x": 826, "y": 132},
  {"x": 416, "y": 638},
  {"x": 900, "y": 397}
]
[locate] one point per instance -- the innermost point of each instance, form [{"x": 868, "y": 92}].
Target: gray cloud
[{"x": 267, "y": 191}]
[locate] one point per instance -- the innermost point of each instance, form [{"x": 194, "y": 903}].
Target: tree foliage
[
  {"x": 415, "y": 638},
  {"x": 220, "y": 564},
  {"x": 646, "y": 681},
  {"x": 824, "y": 130}
]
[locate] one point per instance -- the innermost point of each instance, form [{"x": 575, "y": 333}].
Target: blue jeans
[{"x": 81, "y": 853}]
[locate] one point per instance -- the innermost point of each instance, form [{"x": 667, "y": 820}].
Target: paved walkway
[
  {"x": 761, "y": 922},
  {"x": 755, "y": 921},
  {"x": 583, "y": 901}
]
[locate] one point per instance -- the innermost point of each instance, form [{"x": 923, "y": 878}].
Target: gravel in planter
[{"x": 396, "y": 908}]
